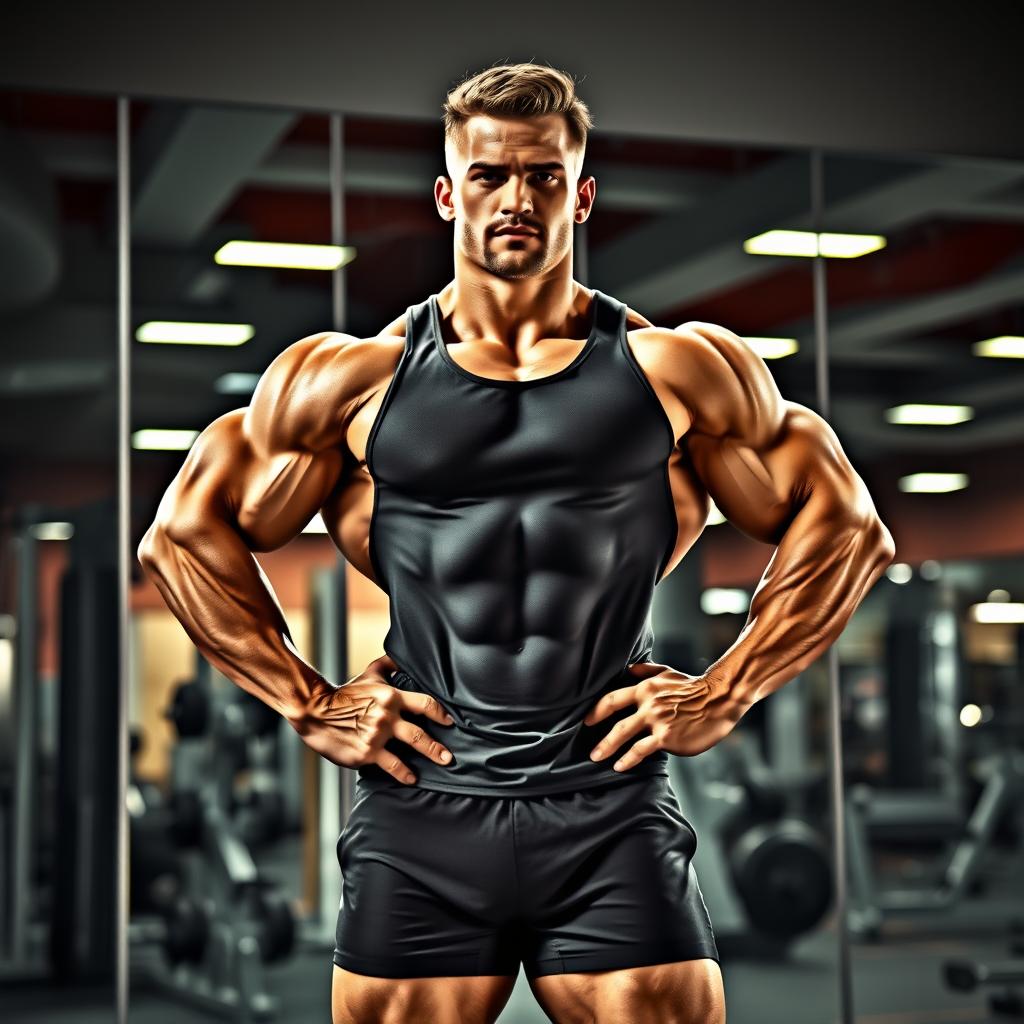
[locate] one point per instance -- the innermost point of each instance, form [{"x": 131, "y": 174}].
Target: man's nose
[{"x": 515, "y": 197}]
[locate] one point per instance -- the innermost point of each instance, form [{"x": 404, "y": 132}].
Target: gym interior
[{"x": 860, "y": 833}]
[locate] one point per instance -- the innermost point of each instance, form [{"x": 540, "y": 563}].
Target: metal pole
[
  {"x": 123, "y": 554},
  {"x": 26, "y": 678},
  {"x": 846, "y": 1010},
  {"x": 336, "y": 784}
]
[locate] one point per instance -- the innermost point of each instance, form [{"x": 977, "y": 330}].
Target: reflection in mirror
[
  {"x": 58, "y": 596},
  {"x": 232, "y": 260},
  {"x": 925, "y": 350},
  {"x": 671, "y": 236},
  {"x": 759, "y": 799}
]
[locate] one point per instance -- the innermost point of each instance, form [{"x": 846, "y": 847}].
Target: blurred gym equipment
[
  {"x": 913, "y": 815},
  {"x": 967, "y": 975},
  {"x": 765, "y": 872},
  {"x": 214, "y": 919}
]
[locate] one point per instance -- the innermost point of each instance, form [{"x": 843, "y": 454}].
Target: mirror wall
[
  {"x": 673, "y": 235},
  {"x": 214, "y": 190},
  {"x": 924, "y": 357},
  {"x": 58, "y": 554},
  {"x": 233, "y": 821}
]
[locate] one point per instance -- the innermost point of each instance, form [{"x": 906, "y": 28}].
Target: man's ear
[
  {"x": 443, "y": 197},
  {"x": 586, "y": 192}
]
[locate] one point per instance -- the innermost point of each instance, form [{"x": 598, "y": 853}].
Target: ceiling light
[
  {"x": 997, "y": 611},
  {"x": 284, "y": 254},
  {"x": 52, "y": 531},
  {"x": 970, "y": 715},
  {"x": 805, "y": 243},
  {"x": 772, "y": 348},
  {"x": 152, "y": 440},
  {"x": 933, "y": 483},
  {"x": 724, "y": 601},
  {"x": 236, "y": 383},
  {"x": 930, "y": 415},
  {"x": 172, "y": 332},
  {"x": 900, "y": 572},
  {"x": 1006, "y": 346}
]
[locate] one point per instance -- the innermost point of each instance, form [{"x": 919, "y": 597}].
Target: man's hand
[
  {"x": 350, "y": 724},
  {"x": 685, "y": 715}
]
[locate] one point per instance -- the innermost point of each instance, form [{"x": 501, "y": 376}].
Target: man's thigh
[
  {"x": 360, "y": 999},
  {"x": 684, "y": 992}
]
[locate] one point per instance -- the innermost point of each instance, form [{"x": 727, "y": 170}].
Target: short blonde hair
[{"x": 517, "y": 90}]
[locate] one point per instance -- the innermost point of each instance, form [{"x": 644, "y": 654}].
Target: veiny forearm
[
  {"x": 817, "y": 576},
  {"x": 216, "y": 589}
]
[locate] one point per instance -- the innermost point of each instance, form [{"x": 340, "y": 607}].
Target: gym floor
[{"x": 897, "y": 980}]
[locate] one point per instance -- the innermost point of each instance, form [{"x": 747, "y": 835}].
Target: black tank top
[{"x": 519, "y": 530}]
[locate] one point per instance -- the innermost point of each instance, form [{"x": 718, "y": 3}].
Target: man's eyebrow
[{"x": 551, "y": 165}]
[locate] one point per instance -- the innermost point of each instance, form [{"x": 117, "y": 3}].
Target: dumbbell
[
  {"x": 275, "y": 922},
  {"x": 190, "y": 709},
  {"x": 261, "y": 814},
  {"x": 182, "y": 930}
]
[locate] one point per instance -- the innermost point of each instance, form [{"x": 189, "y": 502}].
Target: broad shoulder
[
  {"x": 311, "y": 390},
  {"x": 725, "y": 386}
]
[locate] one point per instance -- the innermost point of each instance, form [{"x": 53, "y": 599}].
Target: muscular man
[{"x": 517, "y": 461}]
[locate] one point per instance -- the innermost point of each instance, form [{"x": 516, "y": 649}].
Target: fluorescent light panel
[
  {"x": 773, "y": 348},
  {"x": 724, "y": 601},
  {"x": 933, "y": 483},
  {"x": 1006, "y": 346},
  {"x": 834, "y": 245},
  {"x": 997, "y": 611},
  {"x": 52, "y": 531},
  {"x": 236, "y": 383},
  {"x": 929, "y": 415},
  {"x": 173, "y": 332},
  {"x": 156, "y": 440},
  {"x": 289, "y": 255}
]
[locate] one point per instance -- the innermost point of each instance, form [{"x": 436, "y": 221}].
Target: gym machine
[
  {"x": 1002, "y": 774},
  {"x": 926, "y": 799},
  {"x": 208, "y": 921},
  {"x": 57, "y": 795}
]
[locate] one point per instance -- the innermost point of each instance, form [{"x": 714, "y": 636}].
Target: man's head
[{"x": 515, "y": 137}]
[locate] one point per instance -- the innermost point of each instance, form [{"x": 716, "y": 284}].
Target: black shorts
[{"x": 441, "y": 884}]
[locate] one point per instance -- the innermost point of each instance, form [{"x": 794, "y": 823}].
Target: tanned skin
[{"x": 256, "y": 476}]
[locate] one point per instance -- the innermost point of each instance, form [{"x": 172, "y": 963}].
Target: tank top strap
[
  {"x": 419, "y": 335},
  {"x": 610, "y": 317}
]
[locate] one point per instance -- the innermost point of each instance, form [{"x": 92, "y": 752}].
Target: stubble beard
[{"x": 514, "y": 264}]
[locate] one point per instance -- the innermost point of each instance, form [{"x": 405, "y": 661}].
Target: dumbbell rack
[
  {"x": 247, "y": 924},
  {"x": 229, "y": 978}
]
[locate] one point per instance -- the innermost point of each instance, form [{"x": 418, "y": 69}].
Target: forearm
[
  {"x": 817, "y": 576},
  {"x": 216, "y": 589}
]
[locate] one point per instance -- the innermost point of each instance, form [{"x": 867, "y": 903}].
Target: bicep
[
  {"x": 265, "y": 470},
  {"x": 761, "y": 487},
  {"x": 224, "y": 481}
]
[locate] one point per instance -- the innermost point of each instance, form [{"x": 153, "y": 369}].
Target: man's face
[{"x": 514, "y": 172}]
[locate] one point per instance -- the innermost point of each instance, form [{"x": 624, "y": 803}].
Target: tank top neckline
[{"x": 449, "y": 359}]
